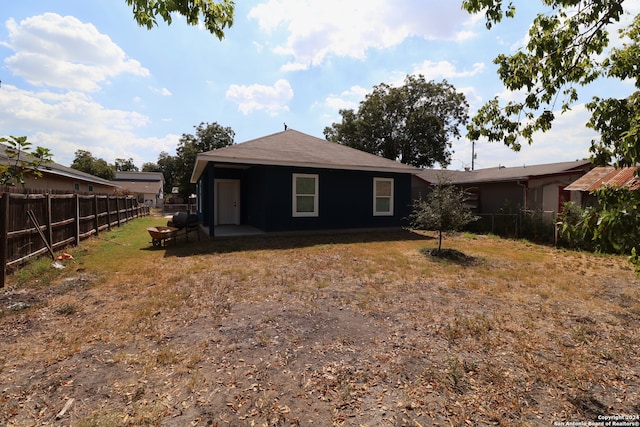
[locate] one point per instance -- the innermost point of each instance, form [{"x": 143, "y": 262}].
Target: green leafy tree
[
  {"x": 576, "y": 226},
  {"x": 214, "y": 15},
  {"x": 443, "y": 211},
  {"x": 413, "y": 123},
  {"x": 20, "y": 161},
  {"x": 568, "y": 47},
  {"x": 126, "y": 165},
  {"x": 85, "y": 162},
  {"x": 613, "y": 227},
  {"x": 208, "y": 136},
  {"x": 168, "y": 165},
  {"x": 150, "y": 167}
]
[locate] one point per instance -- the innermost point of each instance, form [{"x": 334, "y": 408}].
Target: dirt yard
[{"x": 355, "y": 330}]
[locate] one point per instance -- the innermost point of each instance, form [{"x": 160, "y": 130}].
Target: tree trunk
[{"x": 440, "y": 241}]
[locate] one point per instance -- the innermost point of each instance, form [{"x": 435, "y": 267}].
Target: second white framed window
[
  {"x": 383, "y": 196},
  {"x": 305, "y": 195}
]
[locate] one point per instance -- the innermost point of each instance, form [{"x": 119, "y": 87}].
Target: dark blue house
[{"x": 292, "y": 181}]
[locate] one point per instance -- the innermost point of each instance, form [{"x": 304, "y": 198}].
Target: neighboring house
[
  {"x": 599, "y": 176},
  {"x": 147, "y": 186},
  {"x": 292, "y": 181},
  {"x": 503, "y": 189},
  {"x": 63, "y": 179}
]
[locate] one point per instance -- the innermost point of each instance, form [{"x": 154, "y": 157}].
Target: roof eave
[
  {"x": 203, "y": 160},
  {"x": 90, "y": 178}
]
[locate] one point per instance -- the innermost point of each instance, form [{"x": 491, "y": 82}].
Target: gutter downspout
[{"x": 525, "y": 198}]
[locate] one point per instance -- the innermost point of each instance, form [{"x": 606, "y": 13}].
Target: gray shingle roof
[
  {"x": 500, "y": 174},
  {"x": 140, "y": 187},
  {"x": 60, "y": 170},
  {"x": 139, "y": 176},
  {"x": 293, "y": 148}
]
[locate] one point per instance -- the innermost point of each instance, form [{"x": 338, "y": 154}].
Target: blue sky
[{"x": 82, "y": 75}]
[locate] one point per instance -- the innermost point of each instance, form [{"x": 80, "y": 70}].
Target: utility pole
[{"x": 473, "y": 154}]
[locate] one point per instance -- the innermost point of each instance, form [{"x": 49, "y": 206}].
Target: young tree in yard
[
  {"x": 413, "y": 123},
  {"x": 208, "y": 136},
  {"x": 214, "y": 15},
  {"x": 21, "y": 163},
  {"x": 443, "y": 211}
]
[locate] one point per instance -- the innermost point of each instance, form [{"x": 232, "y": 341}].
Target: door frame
[{"x": 236, "y": 182}]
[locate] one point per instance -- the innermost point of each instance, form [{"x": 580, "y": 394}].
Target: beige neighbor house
[
  {"x": 57, "y": 178},
  {"x": 147, "y": 186},
  {"x": 541, "y": 188}
]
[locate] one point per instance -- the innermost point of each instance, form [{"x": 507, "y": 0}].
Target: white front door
[{"x": 227, "y": 201}]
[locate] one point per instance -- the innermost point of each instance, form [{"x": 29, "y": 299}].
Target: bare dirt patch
[{"x": 327, "y": 331}]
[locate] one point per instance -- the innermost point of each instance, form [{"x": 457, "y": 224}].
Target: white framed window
[
  {"x": 383, "y": 196},
  {"x": 305, "y": 195}
]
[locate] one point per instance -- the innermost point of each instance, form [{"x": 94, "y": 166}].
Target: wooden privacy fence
[{"x": 64, "y": 220}]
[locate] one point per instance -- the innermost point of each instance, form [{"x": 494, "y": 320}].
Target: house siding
[
  {"x": 53, "y": 183},
  {"x": 345, "y": 198},
  {"x": 499, "y": 197}
]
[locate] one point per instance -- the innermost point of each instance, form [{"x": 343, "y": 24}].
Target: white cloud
[
  {"x": 272, "y": 99},
  {"x": 462, "y": 36},
  {"x": 259, "y": 47},
  {"x": 74, "y": 58},
  {"x": 319, "y": 28},
  {"x": 161, "y": 91},
  {"x": 348, "y": 99},
  {"x": 446, "y": 70},
  {"x": 61, "y": 51},
  {"x": 66, "y": 122},
  {"x": 473, "y": 97}
]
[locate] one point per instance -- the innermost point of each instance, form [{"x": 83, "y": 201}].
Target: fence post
[
  {"x": 48, "y": 212},
  {"x": 118, "y": 210},
  {"x": 95, "y": 213},
  {"x": 108, "y": 212},
  {"x": 77, "y": 200},
  {"x": 4, "y": 235}
]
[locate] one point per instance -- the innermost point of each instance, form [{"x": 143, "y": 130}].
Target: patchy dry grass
[{"x": 354, "y": 330}]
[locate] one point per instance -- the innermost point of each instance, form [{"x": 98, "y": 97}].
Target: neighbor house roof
[
  {"x": 139, "y": 176},
  {"x": 293, "y": 148},
  {"x": 606, "y": 175},
  {"x": 140, "y": 182},
  {"x": 141, "y": 187},
  {"x": 501, "y": 173},
  {"x": 56, "y": 169}
]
